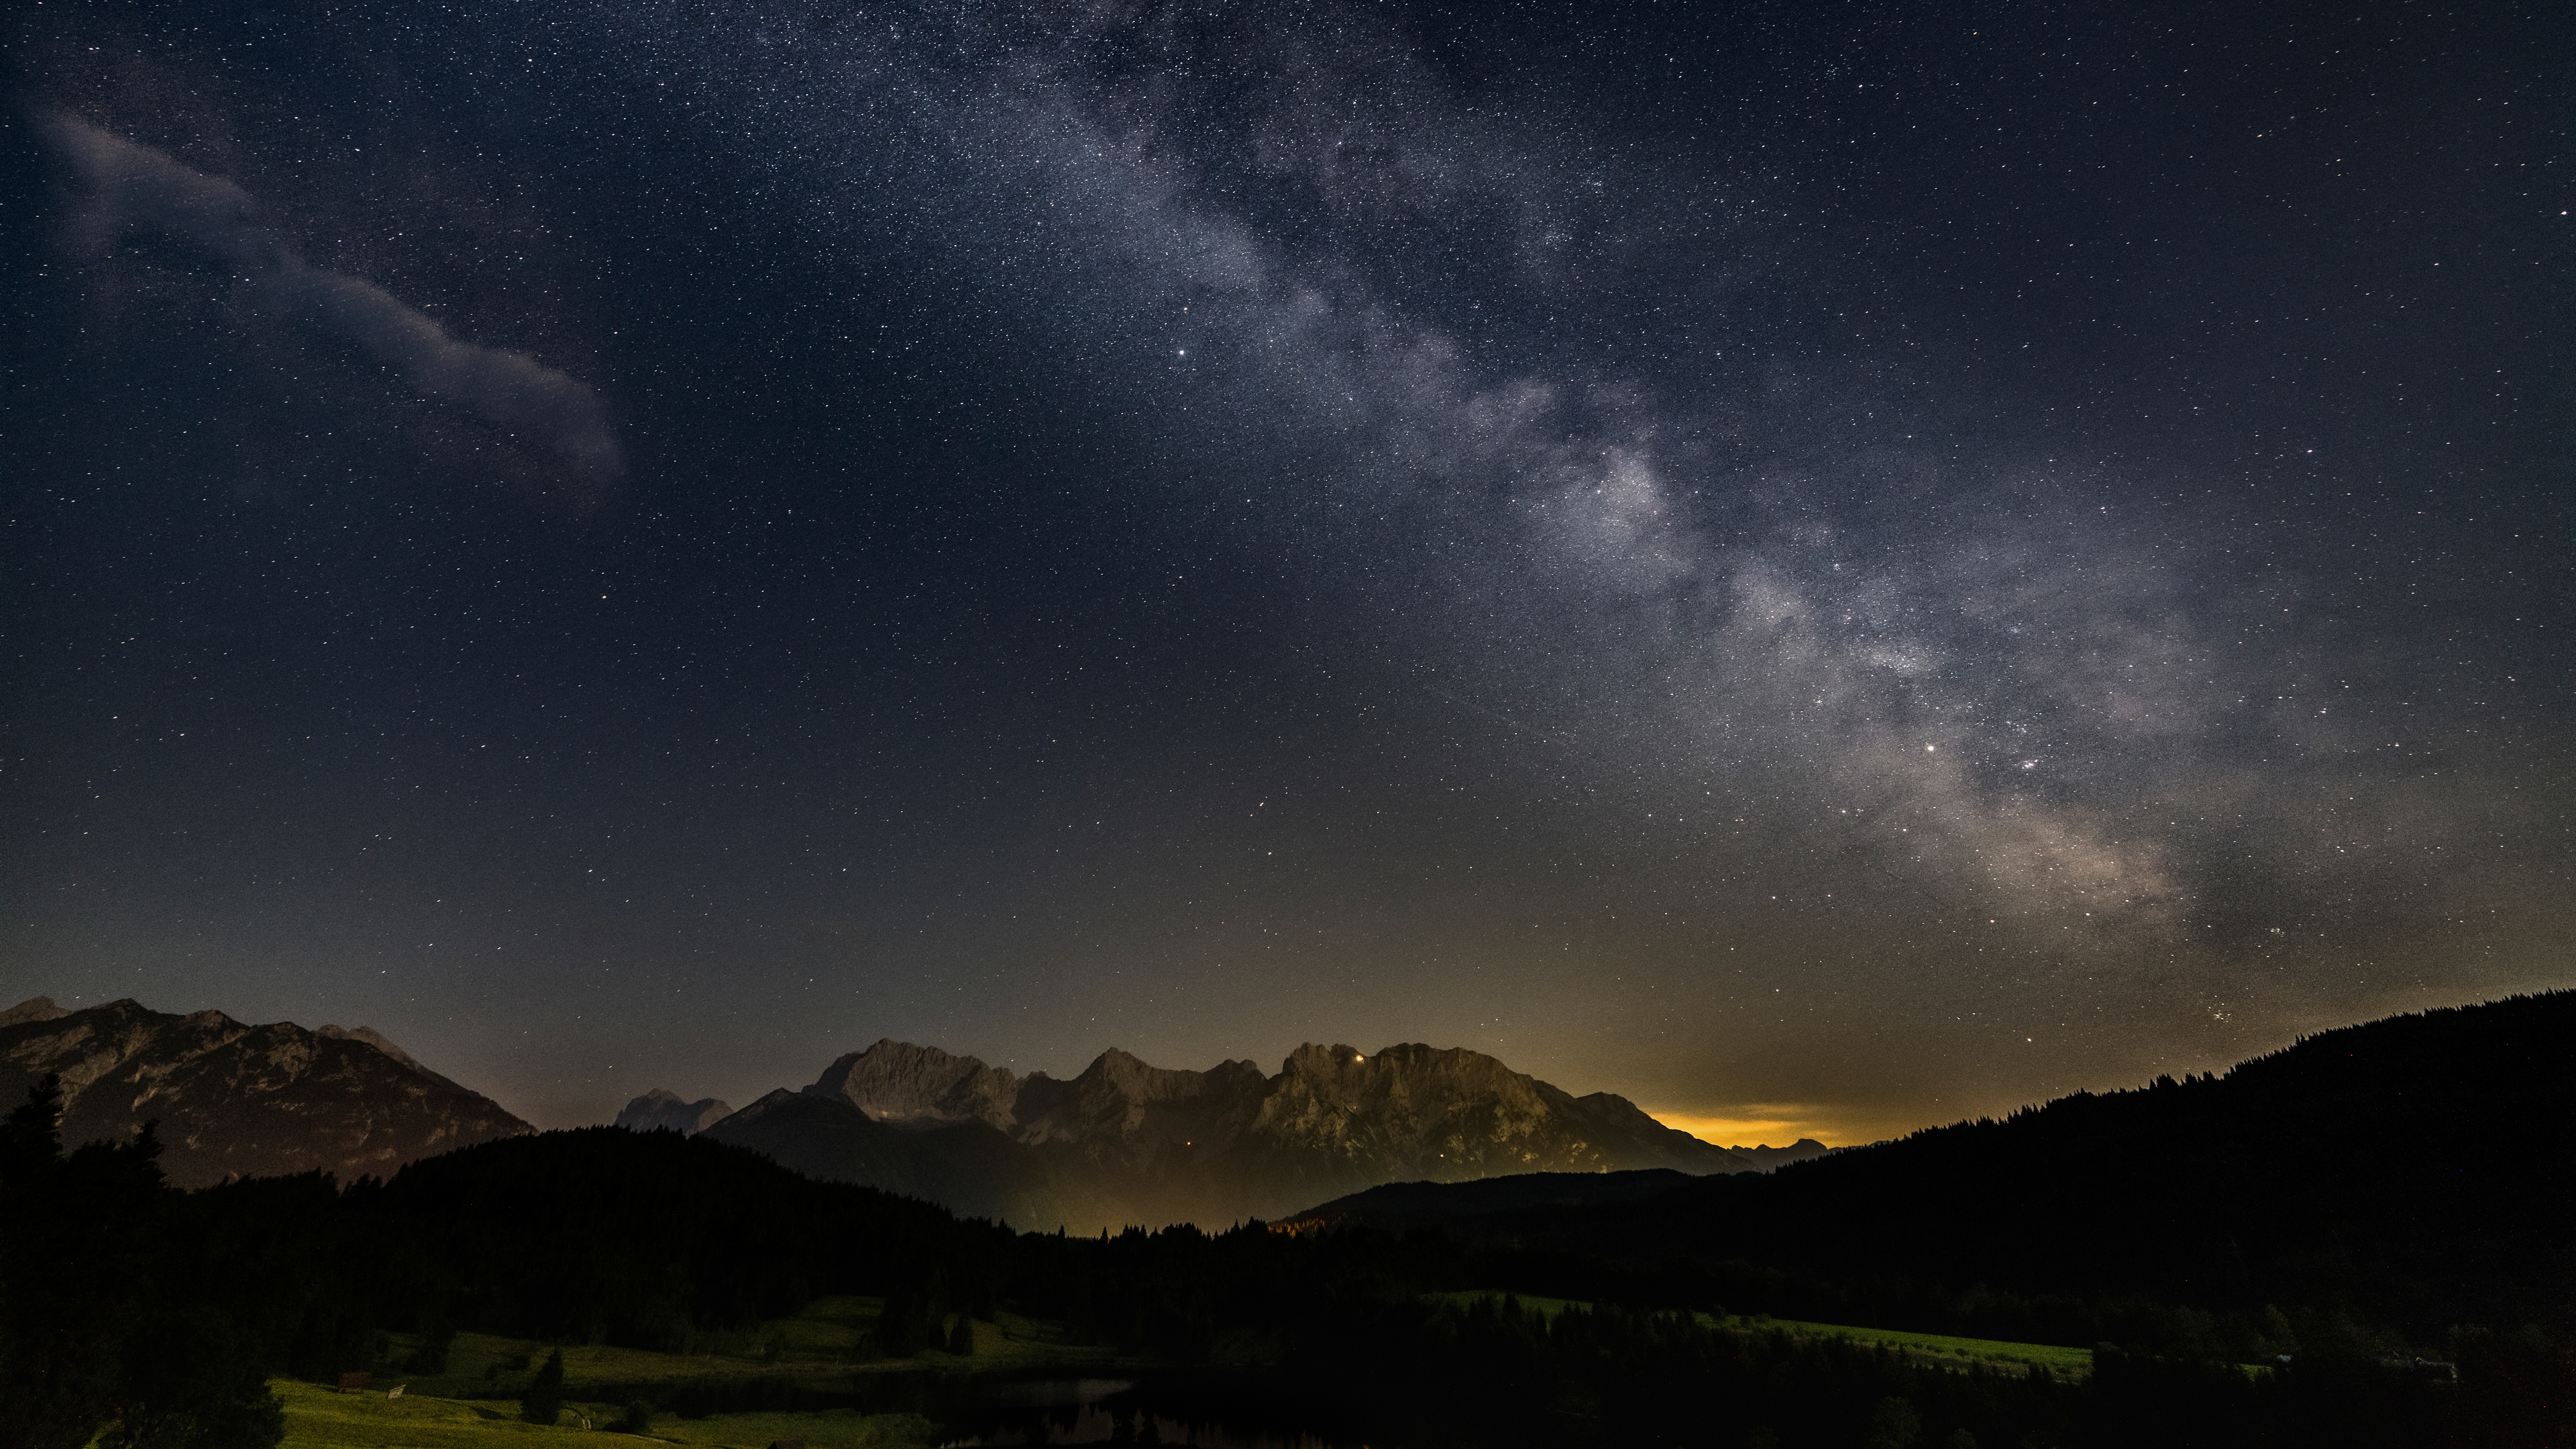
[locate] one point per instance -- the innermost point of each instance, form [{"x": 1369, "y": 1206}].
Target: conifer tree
[
  {"x": 903, "y": 1326},
  {"x": 543, "y": 1402}
]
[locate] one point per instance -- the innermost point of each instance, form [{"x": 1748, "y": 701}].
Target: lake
[{"x": 1112, "y": 1411}]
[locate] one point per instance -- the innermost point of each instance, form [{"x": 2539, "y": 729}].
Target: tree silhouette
[
  {"x": 99, "y": 1338},
  {"x": 543, "y": 1402},
  {"x": 1894, "y": 1425}
]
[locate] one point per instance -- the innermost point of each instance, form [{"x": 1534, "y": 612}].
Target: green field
[
  {"x": 1948, "y": 1350},
  {"x": 472, "y": 1403},
  {"x": 1941, "y": 1349},
  {"x": 824, "y": 1344}
]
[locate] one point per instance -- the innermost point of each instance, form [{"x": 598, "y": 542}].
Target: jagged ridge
[
  {"x": 1128, "y": 1142},
  {"x": 238, "y": 1100}
]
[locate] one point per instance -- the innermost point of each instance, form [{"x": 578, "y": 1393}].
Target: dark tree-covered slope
[
  {"x": 2421, "y": 1168},
  {"x": 639, "y": 1238}
]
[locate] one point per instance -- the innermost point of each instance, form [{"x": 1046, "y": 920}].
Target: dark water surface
[{"x": 1116, "y": 1411}]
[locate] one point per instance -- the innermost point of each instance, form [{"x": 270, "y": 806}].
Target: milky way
[{"x": 1814, "y": 574}]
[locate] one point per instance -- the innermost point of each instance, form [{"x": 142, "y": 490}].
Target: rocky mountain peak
[
  {"x": 1132, "y": 1079},
  {"x": 895, "y": 1081},
  {"x": 1323, "y": 1060},
  {"x": 1122, "y": 1102},
  {"x": 83, "y": 1046},
  {"x": 34, "y": 1008},
  {"x": 236, "y": 1100},
  {"x": 659, "y": 1110},
  {"x": 1412, "y": 1101},
  {"x": 1347, "y": 1078}
]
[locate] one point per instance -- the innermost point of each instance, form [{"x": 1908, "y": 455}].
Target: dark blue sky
[{"x": 1823, "y": 568}]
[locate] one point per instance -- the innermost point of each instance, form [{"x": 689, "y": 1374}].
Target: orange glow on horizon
[{"x": 1765, "y": 1125}]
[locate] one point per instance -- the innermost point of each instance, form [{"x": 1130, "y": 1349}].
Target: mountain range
[
  {"x": 1129, "y": 1143},
  {"x": 1124, "y": 1142},
  {"x": 235, "y": 1100}
]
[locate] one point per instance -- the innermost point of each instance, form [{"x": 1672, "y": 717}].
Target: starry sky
[{"x": 1826, "y": 568}]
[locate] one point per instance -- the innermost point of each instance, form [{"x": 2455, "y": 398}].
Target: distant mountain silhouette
[
  {"x": 1767, "y": 1158},
  {"x": 2418, "y": 1165},
  {"x": 1131, "y": 1143},
  {"x": 237, "y": 1100},
  {"x": 659, "y": 1110}
]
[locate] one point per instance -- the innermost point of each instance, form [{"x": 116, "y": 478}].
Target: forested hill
[
  {"x": 601, "y": 1234},
  {"x": 120, "y": 1290},
  {"x": 2416, "y": 1167}
]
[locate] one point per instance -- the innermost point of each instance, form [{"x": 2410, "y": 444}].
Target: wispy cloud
[{"x": 125, "y": 185}]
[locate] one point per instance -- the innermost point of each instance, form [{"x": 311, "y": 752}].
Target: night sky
[{"x": 1824, "y": 568}]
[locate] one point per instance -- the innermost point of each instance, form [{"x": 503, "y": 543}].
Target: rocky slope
[
  {"x": 970, "y": 1167},
  {"x": 1127, "y": 1142},
  {"x": 240, "y": 1100},
  {"x": 896, "y": 1081}
]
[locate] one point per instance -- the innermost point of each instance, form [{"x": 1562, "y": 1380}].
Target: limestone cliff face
[
  {"x": 1127, "y": 1142},
  {"x": 896, "y": 1081},
  {"x": 233, "y": 1099},
  {"x": 1408, "y": 1103},
  {"x": 1335, "y": 1119},
  {"x": 1122, "y": 1108}
]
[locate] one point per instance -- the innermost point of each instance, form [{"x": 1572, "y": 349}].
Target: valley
[{"x": 2180, "y": 1262}]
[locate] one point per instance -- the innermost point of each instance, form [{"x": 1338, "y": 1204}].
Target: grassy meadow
[
  {"x": 1938, "y": 1349},
  {"x": 473, "y": 1402},
  {"x": 824, "y": 1345},
  {"x": 1932, "y": 1349}
]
